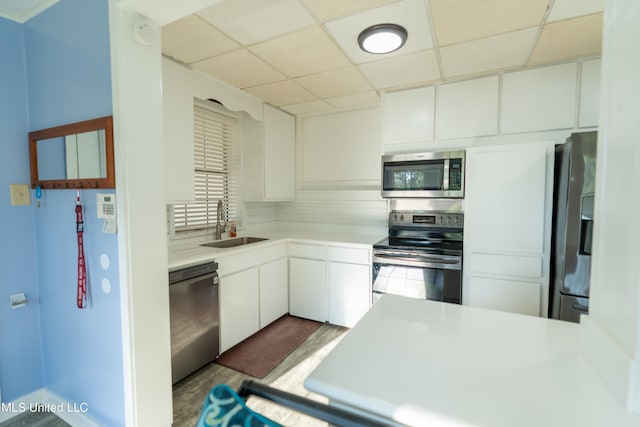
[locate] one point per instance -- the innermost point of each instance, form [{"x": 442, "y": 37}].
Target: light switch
[{"x": 20, "y": 195}]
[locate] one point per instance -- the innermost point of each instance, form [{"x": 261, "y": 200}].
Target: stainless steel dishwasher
[{"x": 195, "y": 318}]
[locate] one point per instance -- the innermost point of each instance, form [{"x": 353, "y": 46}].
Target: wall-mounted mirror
[{"x": 78, "y": 155}]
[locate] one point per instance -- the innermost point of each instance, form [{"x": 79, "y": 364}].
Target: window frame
[{"x": 232, "y": 207}]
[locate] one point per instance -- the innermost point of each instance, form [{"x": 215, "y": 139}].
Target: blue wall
[
  {"x": 20, "y": 355},
  {"x": 65, "y": 53}
]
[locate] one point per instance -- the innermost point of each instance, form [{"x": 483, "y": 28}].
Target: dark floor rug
[{"x": 264, "y": 350}]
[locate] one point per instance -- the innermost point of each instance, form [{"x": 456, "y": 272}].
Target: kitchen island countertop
[{"x": 426, "y": 363}]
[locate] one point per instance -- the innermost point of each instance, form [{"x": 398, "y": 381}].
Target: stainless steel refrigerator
[{"x": 574, "y": 192}]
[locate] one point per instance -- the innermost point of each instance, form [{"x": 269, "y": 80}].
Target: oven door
[{"x": 417, "y": 274}]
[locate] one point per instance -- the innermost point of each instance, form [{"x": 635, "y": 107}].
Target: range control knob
[
  {"x": 401, "y": 218},
  {"x": 395, "y": 218}
]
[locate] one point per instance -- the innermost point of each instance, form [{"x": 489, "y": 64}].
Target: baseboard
[
  {"x": 74, "y": 414},
  {"x": 611, "y": 363},
  {"x": 40, "y": 400}
]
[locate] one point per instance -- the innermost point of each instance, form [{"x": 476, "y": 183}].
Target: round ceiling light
[{"x": 382, "y": 38}]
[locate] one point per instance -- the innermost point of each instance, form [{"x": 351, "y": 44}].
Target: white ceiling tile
[
  {"x": 456, "y": 21},
  {"x": 304, "y": 52},
  {"x": 239, "y": 68},
  {"x": 572, "y": 38},
  {"x": 316, "y": 106},
  {"x": 327, "y": 10},
  {"x": 411, "y": 14},
  {"x": 330, "y": 84},
  {"x": 191, "y": 39},
  {"x": 492, "y": 53},
  {"x": 253, "y": 21},
  {"x": 564, "y": 9},
  {"x": 365, "y": 98},
  {"x": 397, "y": 71},
  {"x": 281, "y": 93}
]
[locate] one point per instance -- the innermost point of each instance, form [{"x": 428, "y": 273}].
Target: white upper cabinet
[
  {"x": 279, "y": 154},
  {"x": 505, "y": 198},
  {"x": 408, "y": 116},
  {"x": 589, "y": 94},
  {"x": 269, "y": 158},
  {"x": 468, "y": 108},
  {"x": 177, "y": 96},
  {"x": 539, "y": 99}
]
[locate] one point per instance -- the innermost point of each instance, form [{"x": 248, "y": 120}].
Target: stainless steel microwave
[{"x": 437, "y": 174}]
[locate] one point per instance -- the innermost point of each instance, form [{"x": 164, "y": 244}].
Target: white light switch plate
[{"x": 20, "y": 195}]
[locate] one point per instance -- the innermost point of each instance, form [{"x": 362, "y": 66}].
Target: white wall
[
  {"x": 611, "y": 331},
  {"x": 137, "y": 112}
]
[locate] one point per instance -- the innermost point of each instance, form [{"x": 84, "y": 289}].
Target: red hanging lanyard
[{"x": 82, "y": 269}]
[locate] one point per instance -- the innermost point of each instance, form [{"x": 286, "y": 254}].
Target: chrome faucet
[{"x": 219, "y": 227}]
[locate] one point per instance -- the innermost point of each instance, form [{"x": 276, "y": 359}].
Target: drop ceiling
[{"x": 303, "y": 56}]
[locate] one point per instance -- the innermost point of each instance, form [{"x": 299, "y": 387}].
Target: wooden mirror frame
[{"x": 102, "y": 123}]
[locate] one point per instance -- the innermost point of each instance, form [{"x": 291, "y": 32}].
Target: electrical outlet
[{"x": 20, "y": 195}]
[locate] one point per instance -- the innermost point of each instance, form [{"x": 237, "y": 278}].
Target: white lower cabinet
[
  {"x": 329, "y": 283},
  {"x": 505, "y": 295},
  {"x": 320, "y": 282},
  {"x": 239, "y": 307},
  {"x": 349, "y": 292},
  {"x": 307, "y": 288},
  {"x": 274, "y": 291}
]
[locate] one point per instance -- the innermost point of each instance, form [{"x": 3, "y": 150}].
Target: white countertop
[
  {"x": 426, "y": 363},
  {"x": 191, "y": 253}
]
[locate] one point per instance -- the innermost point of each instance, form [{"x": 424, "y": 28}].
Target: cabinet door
[
  {"x": 589, "y": 93},
  {"x": 539, "y": 99},
  {"x": 307, "y": 289},
  {"x": 239, "y": 307},
  {"x": 505, "y": 198},
  {"x": 274, "y": 291},
  {"x": 507, "y": 227},
  {"x": 505, "y": 295},
  {"x": 469, "y": 108},
  {"x": 177, "y": 98},
  {"x": 349, "y": 292},
  {"x": 408, "y": 116},
  {"x": 279, "y": 154}
]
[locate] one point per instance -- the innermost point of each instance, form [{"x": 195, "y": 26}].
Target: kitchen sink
[{"x": 232, "y": 243}]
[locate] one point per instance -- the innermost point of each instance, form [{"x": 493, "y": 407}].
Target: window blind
[{"x": 214, "y": 157}]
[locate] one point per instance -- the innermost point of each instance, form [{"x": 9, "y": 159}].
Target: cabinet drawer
[
  {"x": 349, "y": 255},
  {"x": 306, "y": 251},
  {"x": 508, "y": 265},
  {"x": 504, "y": 295}
]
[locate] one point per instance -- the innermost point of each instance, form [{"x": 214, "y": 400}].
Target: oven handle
[{"x": 418, "y": 261}]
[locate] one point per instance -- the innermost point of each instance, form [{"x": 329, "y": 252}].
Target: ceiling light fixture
[{"x": 382, "y": 38}]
